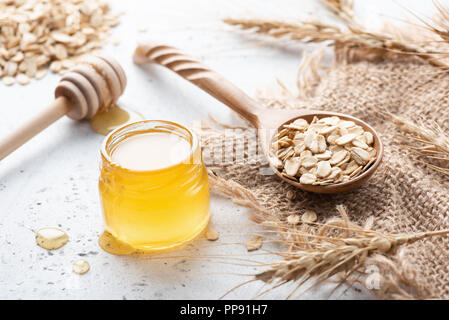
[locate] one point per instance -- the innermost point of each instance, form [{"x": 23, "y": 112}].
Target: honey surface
[{"x": 151, "y": 151}]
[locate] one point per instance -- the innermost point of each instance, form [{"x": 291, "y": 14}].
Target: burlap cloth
[{"x": 403, "y": 195}]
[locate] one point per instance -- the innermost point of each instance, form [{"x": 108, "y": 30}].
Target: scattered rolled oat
[
  {"x": 309, "y": 216},
  {"x": 40, "y": 73},
  {"x": 326, "y": 151},
  {"x": 211, "y": 235},
  {"x": 254, "y": 243},
  {"x": 8, "y": 80},
  {"x": 293, "y": 219},
  {"x": 36, "y": 34},
  {"x": 22, "y": 79}
]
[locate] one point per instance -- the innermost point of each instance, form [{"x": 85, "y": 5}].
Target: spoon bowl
[
  {"x": 268, "y": 121},
  {"x": 308, "y": 115}
]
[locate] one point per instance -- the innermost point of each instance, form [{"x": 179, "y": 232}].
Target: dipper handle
[
  {"x": 205, "y": 78},
  {"x": 95, "y": 84},
  {"x": 39, "y": 122}
]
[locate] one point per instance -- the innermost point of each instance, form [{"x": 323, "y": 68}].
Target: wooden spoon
[
  {"x": 93, "y": 85},
  {"x": 269, "y": 121}
]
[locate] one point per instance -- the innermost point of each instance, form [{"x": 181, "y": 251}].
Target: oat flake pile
[
  {"x": 403, "y": 196},
  {"x": 36, "y": 35}
]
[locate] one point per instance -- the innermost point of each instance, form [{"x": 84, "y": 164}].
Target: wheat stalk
[
  {"x": 329, "y": 257},
  {"x": 313, "y": 255},
  {"x": 354, "y": 36},
  {"x": 433, "y": 142},
  {"x": 342, "y": 9},
  {"x": 320, "y": 251},
  {"x": 439, "y": 25}
]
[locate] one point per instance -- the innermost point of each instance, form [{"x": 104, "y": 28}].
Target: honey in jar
[{"x": 153, "y": 185}]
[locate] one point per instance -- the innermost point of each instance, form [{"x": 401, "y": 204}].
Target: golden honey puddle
[
  {"x": 81, "y": 267},
  {"x": 113, "y": 117},
  {"x": 112, "y": 245},
  {"x": 51, "y": 238}
]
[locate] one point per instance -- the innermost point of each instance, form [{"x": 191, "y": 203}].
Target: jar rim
[{"x": 193, "y": 141}]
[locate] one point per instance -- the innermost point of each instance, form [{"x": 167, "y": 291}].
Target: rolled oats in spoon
[{"x": 326, "y": 151}]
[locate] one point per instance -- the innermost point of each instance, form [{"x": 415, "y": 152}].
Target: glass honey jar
[{"x": 153, "y": 185}]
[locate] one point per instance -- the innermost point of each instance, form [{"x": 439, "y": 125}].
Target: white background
[{"x": 52, "y": 180}]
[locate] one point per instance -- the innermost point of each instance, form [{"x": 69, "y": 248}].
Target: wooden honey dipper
[
  {"x": 270, "y": 121},
  {"x": 95, "y": 84}
]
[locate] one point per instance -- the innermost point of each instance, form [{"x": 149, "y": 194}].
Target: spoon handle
[{"x": 200, "y": 75}]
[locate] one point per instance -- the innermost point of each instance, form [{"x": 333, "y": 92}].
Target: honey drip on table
[
  {"x": 113, "y": 117},
  {"x": 81, "y": 267},
  {"x": 110, "y": 244},
  {"x": 51, "y": 238}
]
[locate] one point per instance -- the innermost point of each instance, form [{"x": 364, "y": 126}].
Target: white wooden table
[{"x": 52, "y": 180}]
